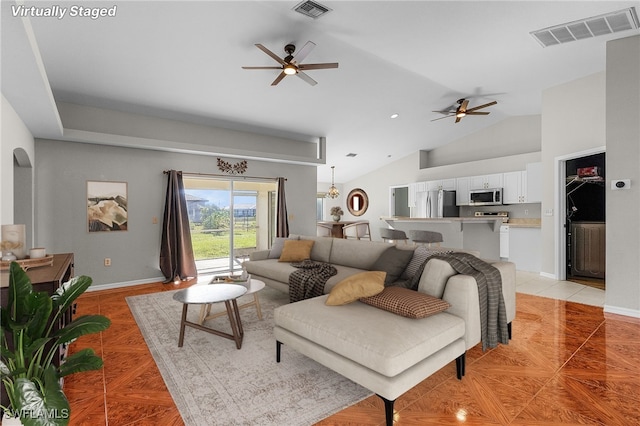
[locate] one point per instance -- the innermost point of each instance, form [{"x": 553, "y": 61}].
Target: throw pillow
[
  {"x": 434, "y": 277},
  {"x": 405, "y": 302},
  {"x": 352, "y": 288},
  {"x": 296, "y": 250},
  {"x": 393, "y": 261},
  {"x": 276, "y": 249}
]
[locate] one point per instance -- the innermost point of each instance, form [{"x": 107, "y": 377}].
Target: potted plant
[
  {"x": 30, "y": 376},
  {"x": 337, "y": 213}
]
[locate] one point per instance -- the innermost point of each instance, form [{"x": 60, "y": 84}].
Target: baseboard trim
[
  {"x": 125, "y": 284},
  {"x": 635, "y": 313},
  {"x": 548, "y": 275}
]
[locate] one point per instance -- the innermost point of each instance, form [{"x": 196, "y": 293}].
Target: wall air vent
[
  {"x": 311, "y": 9},
  {"x": 595, "y": 26}
]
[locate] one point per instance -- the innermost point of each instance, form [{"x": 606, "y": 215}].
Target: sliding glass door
[{"x": 230, "y": 218}]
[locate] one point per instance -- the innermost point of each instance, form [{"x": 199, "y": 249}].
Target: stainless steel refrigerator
[{"x": 441, "y": 204}]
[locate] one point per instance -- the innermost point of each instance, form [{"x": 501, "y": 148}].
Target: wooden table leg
[
  {"x": 234, "y": 320},
  {"x": 183, "y": 322}
]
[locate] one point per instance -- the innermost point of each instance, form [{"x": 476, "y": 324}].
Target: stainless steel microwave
[{"x": 485, "y": 197}]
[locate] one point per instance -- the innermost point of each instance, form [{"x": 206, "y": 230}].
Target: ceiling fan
[
  {"x": 290, "y": 65},
  {"x": 462, "y": 110}
]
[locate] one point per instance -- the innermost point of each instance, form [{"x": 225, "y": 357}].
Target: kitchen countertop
[
  {"x": 524, "y": 223},
  {"x": 496, "y": 221}
]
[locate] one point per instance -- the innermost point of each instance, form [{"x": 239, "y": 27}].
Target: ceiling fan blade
[
  {"x": 318, "y": 66},
  {"x": 306, "y": 78},
  {"x": 463, "y": 106},
  {"x": 270, "y": 53},
  {"x": 458, "y": 119},
  {"x": 279, "y": 78},
  {"x": 440, "y": 118},
  {"x": 445, "y": 112},
  {"x": 481, "y": 106},
  {"x": 261, "y": 68},
  {"x": 477, "y": 113},
  {"x": 302, "y": 53}
]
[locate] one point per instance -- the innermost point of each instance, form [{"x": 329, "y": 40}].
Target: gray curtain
[
  {"x": 176, "y": 253},
  {"x": 282, "y": 219}
]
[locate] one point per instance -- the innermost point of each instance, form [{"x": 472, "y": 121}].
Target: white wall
[
  {"x": 623, "y": 162},
  {"x": 13, "y": 135}
]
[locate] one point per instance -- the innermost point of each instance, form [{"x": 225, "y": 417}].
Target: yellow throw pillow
[
  {"x": 364, "y": 284},
  {"x": 296, "y": 250}
]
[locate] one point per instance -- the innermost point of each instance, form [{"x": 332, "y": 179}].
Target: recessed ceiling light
[{"x": 395, "y": 115}]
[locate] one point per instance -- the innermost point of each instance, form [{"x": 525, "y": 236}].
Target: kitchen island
[{"x": 480, "y": 233}]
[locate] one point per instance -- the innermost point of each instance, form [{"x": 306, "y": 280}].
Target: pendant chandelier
[{"x": 333, "y": 191}]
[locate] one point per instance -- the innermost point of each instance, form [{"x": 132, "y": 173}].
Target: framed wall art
[{"x": 107, "y": 206}]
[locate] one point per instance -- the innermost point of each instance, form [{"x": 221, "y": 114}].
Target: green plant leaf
[
  {"x": 40, "y": 407},
  {"x": 86, "y": 324},
  {"x": 19, "y": 289},
  {"x": 84, "y": 360},
  {"x": 40, "y": 307},
  {"x": 68, "y": 292}
]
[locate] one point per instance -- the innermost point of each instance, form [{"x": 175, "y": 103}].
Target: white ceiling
[{"x": 183, "y": 60}]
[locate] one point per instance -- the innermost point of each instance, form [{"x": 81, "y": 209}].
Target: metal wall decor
[{"x": 233, "y": 169}]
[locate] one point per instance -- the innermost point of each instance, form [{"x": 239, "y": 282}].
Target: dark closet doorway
[{"x": 585, "y": 220}]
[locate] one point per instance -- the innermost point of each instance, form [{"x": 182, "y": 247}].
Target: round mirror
[{"x": 357, "y": 202}]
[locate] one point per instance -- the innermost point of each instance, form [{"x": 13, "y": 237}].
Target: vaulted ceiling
[{"x": 183, "y": 60}]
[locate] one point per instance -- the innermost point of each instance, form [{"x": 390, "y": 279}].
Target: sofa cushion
[
  {"x": 379, "y": 340},
  {"x": 296, "y": 250},
  {"x": 356, "y": 253},
  {"x": 356, "y": 286},
  {"x": 434, "y": 277},
  {"x": 321, "y": 250},
  {"x": 392, "y": 261},
  {"x": 270, "y": 268},
  {"x": 405, "y": 302},
  {"x": 276, "y": 249}
]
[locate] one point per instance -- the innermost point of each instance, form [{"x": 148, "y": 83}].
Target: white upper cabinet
[
  {"x": 462, "y": 191},
  {"x": 514, "y": 190},
  {"x": 486, "y": 181},
  {"x": 445, "y": 184}
]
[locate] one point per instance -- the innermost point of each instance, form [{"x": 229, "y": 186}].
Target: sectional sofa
[{"x": 383, "y": 351}]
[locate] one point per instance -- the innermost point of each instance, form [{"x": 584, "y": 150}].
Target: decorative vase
[
  {"x": 14, "y": 240},
  {"x": 337, "y": 217}
]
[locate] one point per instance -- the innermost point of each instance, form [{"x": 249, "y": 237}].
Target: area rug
[{"x": 213, "y": 383}]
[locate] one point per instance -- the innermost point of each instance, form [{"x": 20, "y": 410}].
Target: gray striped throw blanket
[
  {"x": 309, "y": 280},
  {"x": 493, "y": 314}
]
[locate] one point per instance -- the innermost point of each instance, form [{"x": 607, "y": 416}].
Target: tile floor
[{"x": 535, "y": 284}]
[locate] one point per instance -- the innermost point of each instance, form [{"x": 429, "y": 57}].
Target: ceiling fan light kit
[
  {"x": 291, "y": 65},
  {"x": 462, "y": 110}
]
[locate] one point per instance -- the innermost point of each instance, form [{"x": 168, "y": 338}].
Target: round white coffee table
[
  {"x": 253, "y": 286},
  {"x": 201, "y": 295}
]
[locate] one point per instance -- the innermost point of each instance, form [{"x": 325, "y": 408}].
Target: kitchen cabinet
[
  {"x": 462, "y": 191},
  {"x": 444, "y": 184},
  {"x": 514, "y": 188},
  {"x": 485, "y": 181}
]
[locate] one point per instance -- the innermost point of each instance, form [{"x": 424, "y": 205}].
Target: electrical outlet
[
  {"x": 526, "y": 212},
  {"x": 107, "y": 261}
]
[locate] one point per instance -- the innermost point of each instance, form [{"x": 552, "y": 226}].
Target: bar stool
[
  {"x": 390, "y": 235},
  {"x": 426, "y": 237}
]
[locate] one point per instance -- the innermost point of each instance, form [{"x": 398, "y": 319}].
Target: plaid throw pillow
[{"x": 405, "y": 302}]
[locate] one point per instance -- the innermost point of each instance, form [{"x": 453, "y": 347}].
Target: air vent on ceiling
[
  {"x": 595, "y": 26},
  {"x": 351, "y": 154},
  {"x": 311, "y": 9}
]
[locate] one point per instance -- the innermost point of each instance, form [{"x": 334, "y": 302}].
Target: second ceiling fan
[
  {"x": 291, "y": 65},
  {"x": 462, "y": 110}
]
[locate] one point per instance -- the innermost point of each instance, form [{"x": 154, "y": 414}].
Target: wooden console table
[{"x": 48, "y": 279}]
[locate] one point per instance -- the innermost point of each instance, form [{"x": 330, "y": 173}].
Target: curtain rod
[{"x": 221, "y": 175}]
